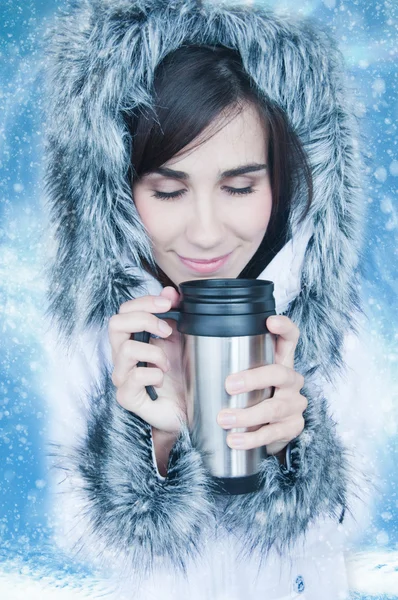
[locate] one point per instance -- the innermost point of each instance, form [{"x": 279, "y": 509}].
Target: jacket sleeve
[
  {"x": 334, "y": 473},
  {"x": 109, "y": 505}
]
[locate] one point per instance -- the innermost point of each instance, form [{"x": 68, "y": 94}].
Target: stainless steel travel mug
[{"x": 223, "y": 327}]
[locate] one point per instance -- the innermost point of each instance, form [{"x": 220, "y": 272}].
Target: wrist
[
  {"x": 280, "y": 454},
  {"x": 163, "y": 441}
]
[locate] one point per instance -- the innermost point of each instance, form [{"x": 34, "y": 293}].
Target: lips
[
  {"x": 205, "y": 266},
  {"x": 202, "y": 261}
]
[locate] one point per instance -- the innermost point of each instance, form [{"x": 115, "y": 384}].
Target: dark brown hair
[{"x": 193, "y": 86}]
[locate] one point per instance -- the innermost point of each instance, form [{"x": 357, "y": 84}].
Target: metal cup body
[{"x": 206, "y": 363}]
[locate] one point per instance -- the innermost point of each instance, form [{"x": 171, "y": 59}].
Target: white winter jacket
[
  {"x": 169, "y": 537},
  {"x": 315, "y": 568}
]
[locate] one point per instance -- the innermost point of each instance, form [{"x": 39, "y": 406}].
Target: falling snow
[{"x": 367, "y": 35}]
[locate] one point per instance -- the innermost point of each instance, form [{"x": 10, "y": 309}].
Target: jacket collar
[{"x": 285, "y": 269}]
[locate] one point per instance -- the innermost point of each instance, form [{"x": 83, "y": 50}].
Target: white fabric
[
  {"x": 285, "y": 268},
  {"x": 317, "y": 567},
  {"x": 318, "y": 574}
]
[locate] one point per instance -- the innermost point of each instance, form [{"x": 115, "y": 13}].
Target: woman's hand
[
  {"x": 277, "y": 420},
  {"x": 162, "y": 356}
]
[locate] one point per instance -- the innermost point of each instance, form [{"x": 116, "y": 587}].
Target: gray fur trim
[
  {"x": 288, "y": 501},
  {"x": 129, "y": 511},
  {"x": 134, "y": 515},
  {"x": 101, "y": 60}
]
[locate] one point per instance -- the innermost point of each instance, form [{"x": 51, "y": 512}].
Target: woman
[{"x": 191, "y": 130}]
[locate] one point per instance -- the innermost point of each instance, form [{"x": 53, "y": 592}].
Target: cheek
[
  {"x": 252, "y": 219},
  {"x": 160, "y": 223}
]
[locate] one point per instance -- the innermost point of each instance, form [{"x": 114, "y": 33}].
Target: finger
[
  {"x": 175, "y": 298},
  {"x": 132, "y": 352},
  {"x": 287, "y": 338},
  {"x": 146, "y": 303},
  {"x": 132, "y": 393},
  {"x": 259, "y": 378},
  {"x": 267, "y": 411},
  {"x": 282, "y": 432},
  {"x": 172, "y": 294},
  {"x": 133, "y": 396},
  {"x": 121, "y": 326}
]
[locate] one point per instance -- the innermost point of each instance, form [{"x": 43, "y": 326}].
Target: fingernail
[
  {"x": 159, "y": 301},
  {"x": 164, "y": 327},
  {"x": 226, "y": 419},
  {"x": 237, "y": 441},
  {"x": 235, "y": 384}
]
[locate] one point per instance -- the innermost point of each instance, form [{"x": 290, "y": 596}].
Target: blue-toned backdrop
[{"x": 29, "y": 567}]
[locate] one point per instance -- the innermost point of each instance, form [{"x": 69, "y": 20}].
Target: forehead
[
  {"x": 224, "y": 145},
  {"x": 225, "y": 142}
]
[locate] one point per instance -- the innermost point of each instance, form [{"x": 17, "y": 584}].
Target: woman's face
[{"x": 203, "y": 212}]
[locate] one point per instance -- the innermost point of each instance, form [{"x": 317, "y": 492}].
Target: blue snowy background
[{"x": 29, "y": 566}]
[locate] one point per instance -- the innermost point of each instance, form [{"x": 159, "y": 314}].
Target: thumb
[{"x": 172, "y": 294}]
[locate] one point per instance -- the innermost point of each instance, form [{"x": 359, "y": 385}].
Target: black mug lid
[{"x": 227, "y": 296}]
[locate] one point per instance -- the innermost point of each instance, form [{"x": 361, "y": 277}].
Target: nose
[{"x": 206, "y": 227}]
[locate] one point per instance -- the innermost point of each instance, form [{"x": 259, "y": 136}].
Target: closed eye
[
  {"x": 239, "y": 191},
  {"x": 179, "y": 193}
]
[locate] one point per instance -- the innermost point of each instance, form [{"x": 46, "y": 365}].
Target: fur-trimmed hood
[{"x": 100, "y": 63}]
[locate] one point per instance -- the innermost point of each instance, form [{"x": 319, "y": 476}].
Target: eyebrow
[{"x": 242, "y": 170}]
